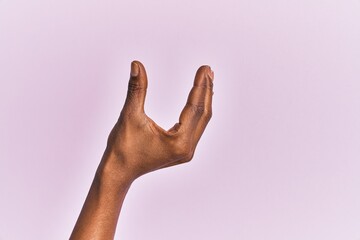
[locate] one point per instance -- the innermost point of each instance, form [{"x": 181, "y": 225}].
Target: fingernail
[
  {"x": 134, "y": 69},
  {"x": 210, "y": 74}
]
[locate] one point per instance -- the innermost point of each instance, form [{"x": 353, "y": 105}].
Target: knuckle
[
  {"x": 183, "y": 151},
  {"x": 205, "y": 85},
  {"x": 197, "y": 108},
  {"x": 188, "y": 156},
  {"x": 200, "y": 109},
  {"x": 202, "y": 84},
  {"x": 133, "y": 86}
]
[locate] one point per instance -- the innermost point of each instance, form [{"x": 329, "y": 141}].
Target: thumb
[{"x": 135, "y": 99}]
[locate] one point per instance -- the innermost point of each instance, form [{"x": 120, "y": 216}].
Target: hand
[{"x": 137, "y": 145}]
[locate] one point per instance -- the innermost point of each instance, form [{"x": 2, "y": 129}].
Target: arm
[{"x": 136, "y": 146}]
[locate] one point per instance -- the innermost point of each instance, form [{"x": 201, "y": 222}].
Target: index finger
[{"x": 198, "y": 109}]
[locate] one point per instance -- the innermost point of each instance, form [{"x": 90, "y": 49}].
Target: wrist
[{"x": 112, "y": 174}]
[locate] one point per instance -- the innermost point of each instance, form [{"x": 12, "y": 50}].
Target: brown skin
[{"x": 136, "y": 146}]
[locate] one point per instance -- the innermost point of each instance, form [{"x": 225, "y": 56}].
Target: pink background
[{"x": 279, "y": 160}]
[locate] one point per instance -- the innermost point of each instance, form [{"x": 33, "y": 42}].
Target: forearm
[{"x": 99, "y": 215}]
